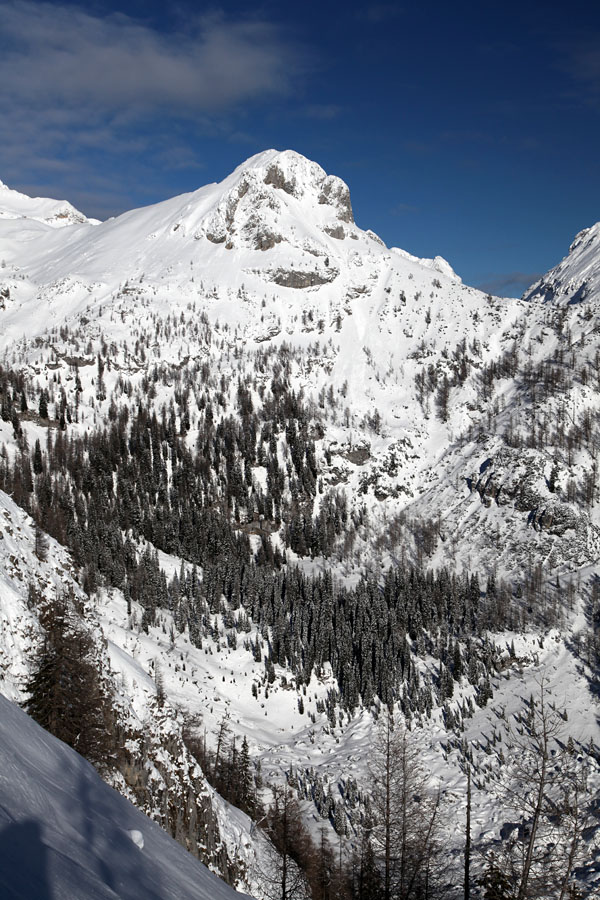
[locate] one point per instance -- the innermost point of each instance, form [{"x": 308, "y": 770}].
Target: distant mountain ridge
[{"x": 56, "y": 213}]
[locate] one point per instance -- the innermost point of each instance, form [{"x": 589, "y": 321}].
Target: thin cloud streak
[
  {"x": 510, "y": 284},
  {"x": 377, "y": 13},
  {"x": 581, "y": 59},
  {"x": 322, "y": 111},
  {"x": 401, "y": 209}
]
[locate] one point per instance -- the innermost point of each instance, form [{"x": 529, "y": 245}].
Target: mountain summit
[{"x": 254, "y": 197}]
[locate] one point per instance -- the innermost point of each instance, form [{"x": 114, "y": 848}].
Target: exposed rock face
[
  {"x": 294, "y": 278},
  {"x": 517, "y": 478},
  {"x": 301, "y": 178},
  {"x": 276, "y": 177},
  {"x": 375, "y": 237},
  {"x": 512, "y": 477},
  {"x": 558, "y": 518},
  {"x": 336, "y": 232},
  {"x": 358, "y": 454},
  {"x": 266, "y": 239},
  {"x": 334, "y": 192}
]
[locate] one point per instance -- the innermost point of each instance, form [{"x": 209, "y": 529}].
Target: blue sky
[{"x": 469, "y": 130}]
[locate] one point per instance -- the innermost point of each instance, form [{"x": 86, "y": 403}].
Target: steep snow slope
[{"x": 64, "y": 833}]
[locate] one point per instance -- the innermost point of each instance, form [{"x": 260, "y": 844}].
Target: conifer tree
[
  {"x": 245, "y": 781},
  {"x": 43, "y": 405},
  {"x": 65, "y": 694}
]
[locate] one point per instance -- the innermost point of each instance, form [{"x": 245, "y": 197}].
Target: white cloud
[
  {"x": 64, "y": 56},
  {"x": 75, "y": 83}
]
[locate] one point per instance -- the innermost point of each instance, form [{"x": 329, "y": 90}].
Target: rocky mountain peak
[
  {"x": 255, "y": 201},
  {"x": 302, "y": 179}
]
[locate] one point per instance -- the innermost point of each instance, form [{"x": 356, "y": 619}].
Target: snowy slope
[
  {"x": 577, "y": 277},
  {"x": 163, "y": 774},
  {"x": 64, "y": 833},
  {"x": 56, "y": 213},
  {"x": 19, "y": 567}
]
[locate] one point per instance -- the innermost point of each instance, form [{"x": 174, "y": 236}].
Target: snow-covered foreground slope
[{"x": 65, "y": 835}]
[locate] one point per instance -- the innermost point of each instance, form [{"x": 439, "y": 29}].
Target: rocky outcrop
[
  {"x": 296, "y": 278},
  {"x": 335, "y": 231},
  {"x": 266, "y": 239},
  {"x": 518, "y": 478},
  {"x": 276, "y": 177},
  {"x": 334, "y": 192}
]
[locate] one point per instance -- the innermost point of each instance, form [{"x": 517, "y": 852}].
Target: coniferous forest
[{"x": 133, "y": 486}]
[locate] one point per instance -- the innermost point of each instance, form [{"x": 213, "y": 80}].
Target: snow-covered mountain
[
  {"x": 55, "y": 213},
  {"x": 575, "y": 279},
  {"x": 271, "y": 257},
  {"x": 243, "y": 389}
]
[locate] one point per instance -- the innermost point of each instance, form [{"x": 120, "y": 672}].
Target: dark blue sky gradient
[{"x": 469, "y": 130}]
